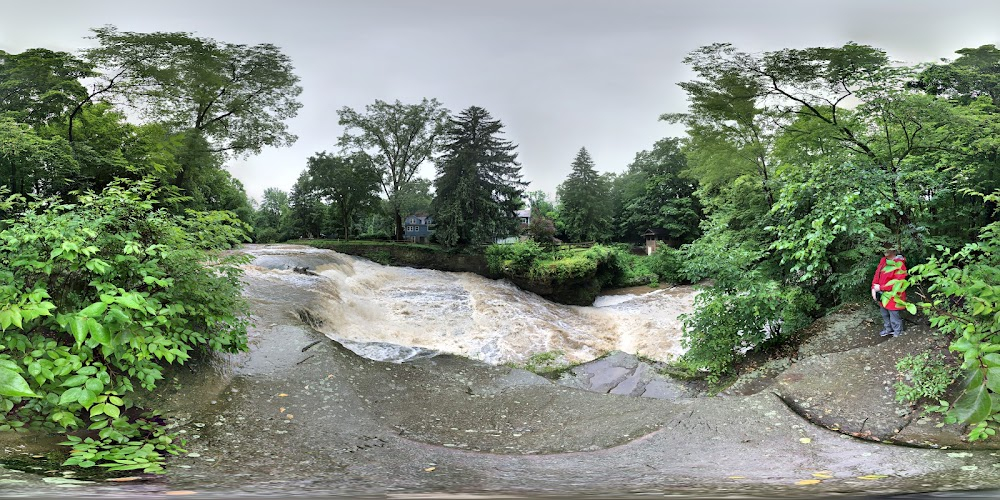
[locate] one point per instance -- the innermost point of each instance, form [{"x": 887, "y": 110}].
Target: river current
[{"x": 397, "y": 313}]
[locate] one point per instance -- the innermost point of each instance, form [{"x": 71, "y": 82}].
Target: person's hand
[
  {"x": 876, "y": 288},
  {"x": 873, "y": 293}
]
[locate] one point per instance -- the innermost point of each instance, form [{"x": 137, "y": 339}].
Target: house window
[{"x": 412, "y": 228}]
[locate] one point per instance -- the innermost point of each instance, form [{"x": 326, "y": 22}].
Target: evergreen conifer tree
[
  {"x": 478, "y": 184},
  {"x": 585, "y": 201}
]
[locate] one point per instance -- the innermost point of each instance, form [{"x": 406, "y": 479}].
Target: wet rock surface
[
  {"x": 300, "y": 415},
  {"x": 624, "y": 374}
]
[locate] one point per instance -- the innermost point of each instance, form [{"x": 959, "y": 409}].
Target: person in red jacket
[{"x": 891, "y": 267}]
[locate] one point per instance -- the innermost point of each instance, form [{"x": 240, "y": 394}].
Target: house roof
[
  {"x": 526, "y": 213},
  {"x": 655, "y": 231}
]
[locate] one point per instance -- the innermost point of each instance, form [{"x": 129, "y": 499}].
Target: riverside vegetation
[
  {"x": 97, "y": 295},
  {"x": 117, "y": 210}
]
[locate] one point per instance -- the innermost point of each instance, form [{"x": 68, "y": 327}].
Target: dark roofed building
[{"x": 653, "y": 236}]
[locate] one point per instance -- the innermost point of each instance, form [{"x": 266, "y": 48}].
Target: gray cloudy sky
[{"x": 560, "y": 74}]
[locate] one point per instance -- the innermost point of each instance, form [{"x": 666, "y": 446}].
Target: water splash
[{"x": 399, "y": 313}]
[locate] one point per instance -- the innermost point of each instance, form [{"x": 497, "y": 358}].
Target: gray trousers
[{"x": 892, "y": 322}]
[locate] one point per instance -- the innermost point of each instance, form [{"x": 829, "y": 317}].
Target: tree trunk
[
  {"x": 345, "y": 218},
  {"x": 399, "y": 225}
]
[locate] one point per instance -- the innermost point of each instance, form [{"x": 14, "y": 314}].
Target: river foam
[{"x": 400, "y": 313}]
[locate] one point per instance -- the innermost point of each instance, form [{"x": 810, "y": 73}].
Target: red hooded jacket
[{"x": 882, "y": 277}]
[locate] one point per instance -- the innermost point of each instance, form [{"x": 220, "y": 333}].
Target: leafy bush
[
  {"x": 666, "y": 264},
  {"x": 726, "y": 324},
  {"x": 963, "y": 301},
  {"x": 516, "y": 258},
  {"x": 629, "y": 269},
  {"x": 95, "y": 297},
  {"x": 923, "y": 377}
]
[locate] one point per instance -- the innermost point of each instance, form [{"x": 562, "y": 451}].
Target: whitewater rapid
[{"x": 398, "y": 313}]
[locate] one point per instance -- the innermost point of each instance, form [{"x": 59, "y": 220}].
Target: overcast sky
[{"x": 559, "y": 74}]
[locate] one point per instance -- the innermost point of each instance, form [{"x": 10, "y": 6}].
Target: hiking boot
[{"x": 883, "y": 333}]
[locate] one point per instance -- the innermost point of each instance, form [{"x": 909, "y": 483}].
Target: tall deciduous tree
[
  {"x": 478, "y": 186},
  {"x": 585, "y": 201},
  {"x": 731, "y": 133},
  {"x": 237, "y": 96},
  {"x": 349, "y": 184},
  {"x": 273, "y": 216},
  {"x": 974, "y": 74},
  {"x": 308, "y": 216},
  {"x": 653, "y": 193},
  {"x": 39, "y": 86},
  {"x": 397, "y": 138},
  {"x": 30, "y": 164}
]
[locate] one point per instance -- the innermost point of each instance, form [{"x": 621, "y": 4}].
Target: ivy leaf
[
  {"x": 974, "y": 405},
  {"x": 13, "y": 385}
]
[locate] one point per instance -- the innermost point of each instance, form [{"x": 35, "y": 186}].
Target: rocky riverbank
[{"x": 300, "y": 415}]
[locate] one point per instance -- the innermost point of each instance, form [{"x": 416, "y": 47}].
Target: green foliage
[
  {"x": 95, "y": 297},
  {"x": 828, "y": 227},
  {"x": 238, "y": 96},
  {"x": 546, "y": 363},
  {"x": 632, "y": 269},
  {"x": 308, "y": 214},
  {"x": 516, "y": 258},
  {"x": 727, "y": 324},
  {"x": 478, "y": 186},
  {"x": 666, "y": 264},
  {"x": 39, "y": 86},
  {"x": 381, "y": 256},
  {"x": 923, "y": 377},
  {"x": 963, "y": 302},
  {"x": 272, "y": 218},
  {"x": 584, "y": 198},
  {"x": 122, "y": 445},
  {"x": 349, "y": 185},
  {"x": 32, "y": 164},
  {"x": 653, "y": 193},
  {"x": 396, "y": 138}
]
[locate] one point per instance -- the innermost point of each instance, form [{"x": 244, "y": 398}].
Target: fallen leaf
[
  {"x": 822, "y": 475},
  {"x": 180, "y": 492},
  {"x": 125, "y": 479},
  {"x": 805, "y": 440},
  {"x": 805, "y": 482},
  {"x": 872, "y": 477},
  {"x": 430, "y": 469},
  {"x": 737, "y": 477},
  {"x": 282, "y": 395},
  {"x": 281, "y": 410},
  {"x": 290, "y": 416}
]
